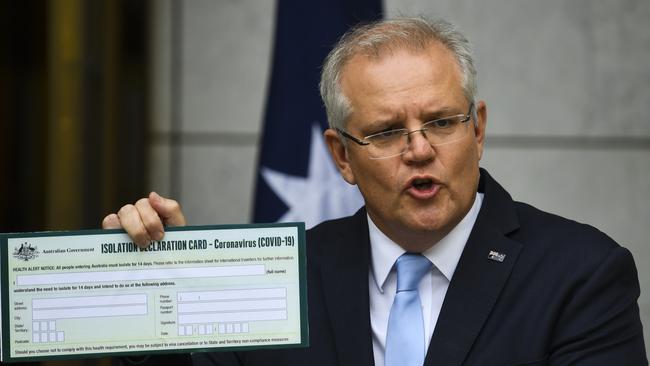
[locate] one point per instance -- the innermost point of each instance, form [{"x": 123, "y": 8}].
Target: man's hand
[{"x": 145, "y": 220}]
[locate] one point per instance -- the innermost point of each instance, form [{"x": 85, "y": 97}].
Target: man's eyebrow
[
  {"x": 383, "y": 124},
  {"x": 395, "y": 122},
  {"x": 440, "y": 113}
]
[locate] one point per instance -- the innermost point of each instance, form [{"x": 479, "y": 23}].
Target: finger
[
  {"x": 111, "y": 221},
  {"x": 152, "y": 222},
  {"x": 132, "y": 223},
  {"x": 169, "y": 210}
]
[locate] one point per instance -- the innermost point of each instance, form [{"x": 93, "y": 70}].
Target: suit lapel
[
  {"x": 478, "y": 280},
  {"x": 345, "y": 283}
]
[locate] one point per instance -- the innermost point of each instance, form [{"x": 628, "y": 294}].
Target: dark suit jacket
[{"x": 565, "y": 294}]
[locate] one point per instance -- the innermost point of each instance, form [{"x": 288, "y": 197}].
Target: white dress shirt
[{"x": 383, "y": 280}]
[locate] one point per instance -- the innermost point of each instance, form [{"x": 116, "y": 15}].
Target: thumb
[
  {"x": 168, "y": 209},
  {"x": 111, "y": 222}
]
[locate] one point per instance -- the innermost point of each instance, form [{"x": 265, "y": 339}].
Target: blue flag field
[{"x": 296, "y": 179}]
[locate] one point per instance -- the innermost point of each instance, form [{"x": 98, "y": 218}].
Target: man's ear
[
  {"x": 339, "y": 155},
  {"x": 479, "y": 126}
]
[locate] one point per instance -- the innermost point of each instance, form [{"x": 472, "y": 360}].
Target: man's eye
[
  {"x": 441, "y": 123},
  {"x": 390, "y": 133},
  {"x": 386, "y": 135}
]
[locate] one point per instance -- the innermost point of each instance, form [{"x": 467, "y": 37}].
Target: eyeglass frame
[{"x": 466, "y": 118}]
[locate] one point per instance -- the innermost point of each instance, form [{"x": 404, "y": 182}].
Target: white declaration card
[{"x": 202, "y": 288}]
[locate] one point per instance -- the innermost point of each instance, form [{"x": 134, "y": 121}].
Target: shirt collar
[{"x": 444, "y": 255}]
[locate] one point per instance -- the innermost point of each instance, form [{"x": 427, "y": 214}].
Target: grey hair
[{"x": 374, "y": 40}]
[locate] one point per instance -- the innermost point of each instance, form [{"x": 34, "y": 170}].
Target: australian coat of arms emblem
[{"x": 26, "y": 252}]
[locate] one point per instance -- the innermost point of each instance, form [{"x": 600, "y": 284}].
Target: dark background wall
[{"x": 74, "y": 111}]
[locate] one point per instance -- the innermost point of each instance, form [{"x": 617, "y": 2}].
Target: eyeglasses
[{"x": 388, "y": 144}]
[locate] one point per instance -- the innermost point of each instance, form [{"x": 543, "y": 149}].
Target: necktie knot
[{"x": 411, "y": 267}]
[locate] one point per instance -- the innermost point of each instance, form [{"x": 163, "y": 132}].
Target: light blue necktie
[{"x": 405, "y": 335}]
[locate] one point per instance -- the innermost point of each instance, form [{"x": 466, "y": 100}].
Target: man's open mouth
[{"x": 422, "y": 184}]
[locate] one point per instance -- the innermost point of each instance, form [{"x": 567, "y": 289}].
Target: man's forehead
[
  {"x": 436, "y": 57},
  {"x": 434, "y": 69},
  {"x": 384, "y": 90}
]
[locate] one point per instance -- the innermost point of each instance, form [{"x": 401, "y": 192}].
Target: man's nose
[{"x": 419, "y": 148}]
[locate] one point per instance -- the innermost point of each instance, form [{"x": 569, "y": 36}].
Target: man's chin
[
  {"x": 427, "y": 217},
  {"x": 428, "y": 226}
]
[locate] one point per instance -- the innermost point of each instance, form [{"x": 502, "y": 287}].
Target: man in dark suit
[{"x": 501, "y": 283}]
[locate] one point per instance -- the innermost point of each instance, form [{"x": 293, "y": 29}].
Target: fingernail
[
  {"x": 146, "y": 241},
  {"x": 158, "y": 235}
]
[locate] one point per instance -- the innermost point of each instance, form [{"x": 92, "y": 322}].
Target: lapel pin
[{"x": 496, "y": 256}]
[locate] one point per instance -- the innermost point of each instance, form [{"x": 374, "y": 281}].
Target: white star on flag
[{"x": 320, "y": 196}]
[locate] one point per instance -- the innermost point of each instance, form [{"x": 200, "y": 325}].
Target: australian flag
[{"x": 297, "y": 180}]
